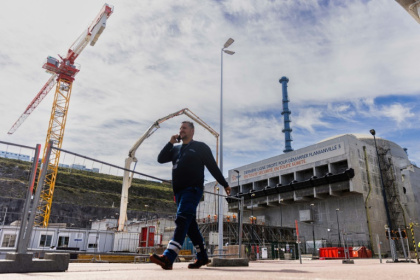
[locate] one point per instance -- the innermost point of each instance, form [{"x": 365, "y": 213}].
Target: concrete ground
[{"x": 284, "y": 269}]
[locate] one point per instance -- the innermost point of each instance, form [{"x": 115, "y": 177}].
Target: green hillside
[{"x": 82, "y": 196}]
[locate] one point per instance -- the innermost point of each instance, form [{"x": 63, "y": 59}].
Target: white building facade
[{"x": 333, "y": 187}]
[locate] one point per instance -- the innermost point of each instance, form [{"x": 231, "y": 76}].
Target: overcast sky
[{"x": 352, "y": 66}]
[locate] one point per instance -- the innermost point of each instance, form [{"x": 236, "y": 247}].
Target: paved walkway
[{"x": 309, "y": 269}]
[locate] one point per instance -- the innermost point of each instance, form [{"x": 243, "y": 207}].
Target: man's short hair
[{"x": 191, "y": 124}]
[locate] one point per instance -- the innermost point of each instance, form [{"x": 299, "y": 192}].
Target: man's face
[{"x": 185, "y": 131}]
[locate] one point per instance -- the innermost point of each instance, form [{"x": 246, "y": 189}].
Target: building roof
[{"x": 357, "y": 135}]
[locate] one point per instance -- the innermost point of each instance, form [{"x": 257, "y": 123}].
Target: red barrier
[
  {"x": 334, "y": 252},
  {"x": 361, "y": 252}
]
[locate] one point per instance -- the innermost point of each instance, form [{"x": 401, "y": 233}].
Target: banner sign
[{"x": 282, "y": 163}]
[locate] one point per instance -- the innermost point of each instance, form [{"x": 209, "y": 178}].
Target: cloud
[
  {"x": 157, "y": 57},
  {"x": 309, "y": 119},
  {"x": 397, "y": 112}
]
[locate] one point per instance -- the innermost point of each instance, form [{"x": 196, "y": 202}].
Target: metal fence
[{"x": 85, "y": 209}]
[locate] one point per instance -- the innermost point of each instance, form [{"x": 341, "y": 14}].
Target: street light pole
[
  {"x": 239, "y": 208},
  {"x": 281, "y": 218},
  {"x": 252, "y": 219},
  {"x": 226, "y": 45},
  {"x": 338, "y": 225},
  {"x": 372, "y": 131},
  {"x": 313, "y": 230}
]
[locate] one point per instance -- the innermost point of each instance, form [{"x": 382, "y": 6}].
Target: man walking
[{"x": 189, "y": 160}]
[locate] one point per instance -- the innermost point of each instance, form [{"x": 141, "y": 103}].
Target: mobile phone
[{"x": 178, "y": 138}]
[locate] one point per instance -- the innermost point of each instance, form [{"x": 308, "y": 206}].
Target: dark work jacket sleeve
[
  {"x": 212, "y": 167},
  {"x": 166, "y": 154}
]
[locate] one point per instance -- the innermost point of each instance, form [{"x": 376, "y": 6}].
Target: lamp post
[
  {"x": 313, "y": 230},
  {"x": 252, "y": 219},
  {"x": 338, "y": 225},
  {"x": 328, "y": 235},
  {"x": 412, "y": 7},
  {"x": 239, "y": 213},
  {"x": 388, "y": 217},
  {"x": 226, "y": 45},
  {"x": 281, "y": 217}
]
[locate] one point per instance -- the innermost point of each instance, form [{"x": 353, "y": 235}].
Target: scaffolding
[
  {"x": 255, "y": 234},
  {"x": 388, "y": 173}
]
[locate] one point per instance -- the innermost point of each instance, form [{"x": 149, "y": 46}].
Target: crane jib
[{"x": 66, "y": 68}]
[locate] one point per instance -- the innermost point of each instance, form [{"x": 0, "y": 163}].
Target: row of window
[
  {"x": 298, "y": 176},
  {"x": 9, "y": 241}
]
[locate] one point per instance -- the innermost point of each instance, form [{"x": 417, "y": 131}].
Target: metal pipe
[{"x": 372, "y": 131}]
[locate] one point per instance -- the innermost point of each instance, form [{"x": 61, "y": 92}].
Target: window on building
[
  {"x": 63, "y": 241},
  {"x": 246, "y": 188},
  {"x": 9, "y": 240},
  {"x": 339, "y": 167},
  {"x": 93, "y": 241},
  {"x": 321, "y": 170},
  {"x": 45, "y": 240},
  {"x": 304, "y": 175},
  {"x": 287, "y": 178}
]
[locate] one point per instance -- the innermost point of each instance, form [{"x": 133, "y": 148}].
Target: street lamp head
[
  {"x": 372, "y": 131},
  {"x": 237, "y": 171},
  {"x": 228, "y": 52},
  {"x": 228, "y": 43},
  {"x": 412, "y": 7}
]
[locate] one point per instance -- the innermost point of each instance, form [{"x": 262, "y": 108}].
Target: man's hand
[
  {"x": 227, "y": 190},
  {"x": 174, "y": 139}
]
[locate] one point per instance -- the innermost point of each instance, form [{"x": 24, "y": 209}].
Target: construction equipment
[
  {"x": 63, "y": 72},
  {"x": 128, "y": 176}
]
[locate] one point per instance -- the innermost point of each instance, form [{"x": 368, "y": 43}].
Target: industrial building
[{"x": 332, "y": 187}]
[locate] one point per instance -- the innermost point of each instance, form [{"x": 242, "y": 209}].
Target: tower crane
[
  {"x": 63, "y": 72},
  {"x": 127, "y": 178}
]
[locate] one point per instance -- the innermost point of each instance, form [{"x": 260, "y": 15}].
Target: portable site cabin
[{"x": 58, "y": 238}]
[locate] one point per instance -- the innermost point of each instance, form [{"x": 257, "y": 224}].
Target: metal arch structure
[
  {"x": 63, "y": 73},
  {"x": 128, "y": 176}
]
